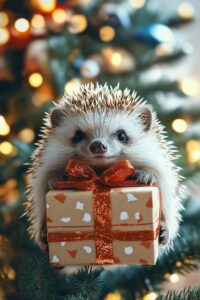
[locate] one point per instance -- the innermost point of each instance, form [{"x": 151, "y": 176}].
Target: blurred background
[{"x": 49, "y": 47}]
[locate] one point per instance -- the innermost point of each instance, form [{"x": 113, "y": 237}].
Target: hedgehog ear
[
  {"x": 145, "y": 115},
  {"x": 56, "y": 117}
]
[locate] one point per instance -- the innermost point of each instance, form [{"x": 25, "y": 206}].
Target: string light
[
  {"x": 116, "y": 59},
  {"x": 11, "y": 184},
  {"x": 4, "y": 127},
  {"x": 46, "y": 6},
  {"x": 59, "y": 16},
  {"x": 137, "y": 3},
  {"x": 35, "y": 80},
  {"x": 38, "y": 21},
  {"x": 78, "y": 23},
  {"x": 185, "y": 11},
  {"x": 179, "y": 264},
  {"x": 174, "y": 278},
  {"x": 179, "y": 125},
  {"x": 113, "y": 296},
  {"x": 163, "y": 49},
  {"x": 6, "y": 148},
  {"x": 193, "y": 149},
  {"x": 3, "y": 19},
  {"x": 72, "y": 86},
  {"x": 107, "y": 33},
  {"x": 9, "y": 272},
  {"x": 189, "y": 261},
  {"x": 26, "y": 135},
  {"x": 22, "y": 25},
  {"x": 189, "y": 87},
  {"x": 150, "y": 296},
  {"x": 4, "y": 36}
]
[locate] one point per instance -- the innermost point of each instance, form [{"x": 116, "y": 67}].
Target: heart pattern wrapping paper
[{"x": 132, "y": 234}]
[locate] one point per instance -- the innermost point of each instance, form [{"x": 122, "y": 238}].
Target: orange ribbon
[{"x": 81, "y": 176}]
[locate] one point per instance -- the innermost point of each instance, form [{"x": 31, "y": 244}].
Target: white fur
[{"x": 144, "y": 151}]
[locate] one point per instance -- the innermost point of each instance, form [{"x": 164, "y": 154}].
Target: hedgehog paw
[
  {"x": 54, "y": 179},
  {"x": 163, "y": 235},
  {"x": 144, "y": 176}
]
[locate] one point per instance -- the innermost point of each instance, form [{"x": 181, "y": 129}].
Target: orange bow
[{"x": 81, "y": 176}]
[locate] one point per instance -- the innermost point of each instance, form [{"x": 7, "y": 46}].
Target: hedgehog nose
[{"x": 98, "y": 147}]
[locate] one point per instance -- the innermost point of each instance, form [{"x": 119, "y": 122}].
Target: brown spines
[{"x": 98, "y": 98}]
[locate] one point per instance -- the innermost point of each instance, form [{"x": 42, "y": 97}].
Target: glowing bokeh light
[
  {"x": 179, "y": 125},
  {"x": 185, "y": 11},
  {"x": 72, "y": 86},
  {"x": 35, "y": 80},
  {"x": 38, "y": 21},
  {"x": 3, "y": 19},
  {"x": 26, "y": 135},
  {"x": 150, "y": 296},
  {"x": 107, "y": 33},
  {"x": 78, "y": 23},
  {"x": 6, "y": 148},
  {"x": 46, "y": 5},
  {"x": 137, "y": 3},
  {"x": 4, "y": 36},
  {"x": 190, "y": 87},
  {"x": 22, "y": 25},
  {"x": 59, "y": 16}
]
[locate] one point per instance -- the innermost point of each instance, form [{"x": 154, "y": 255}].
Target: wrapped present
[{"x": 104, "y": 219}]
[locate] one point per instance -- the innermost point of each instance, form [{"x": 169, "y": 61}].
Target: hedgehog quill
[{"x": 101, "y": 125}]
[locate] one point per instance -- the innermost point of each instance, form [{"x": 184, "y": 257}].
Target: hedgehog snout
[{"x": 98, "y": 147}]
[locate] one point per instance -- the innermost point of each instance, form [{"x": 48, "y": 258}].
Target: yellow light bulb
[
  {"x": 4, "y": 36},
  {"x": 59, "y": 16},
  {"x": 106, "y": 33},
  {"x": 22, "y": 25},
  {"x": 116, "y": 59},
  {"x": 190, "y": 87},
  {"x": 150, "y": 296},
  {"x": 78, "y": 23},
  {"x": 4, "y": 127},
  {"x": 113, "y": 296},
  {"x": 2, "y": 120},
  {"x": 137, "y": 3},
  {"x": 35, "y": 80},
  {"x": 46, "y": 5},
  {"x": 26, "y": 135},
  {"x": 3, "y": 19},
  {"x": 179, "y": 125},
  {"x": 185, "y": 11},
  {"x": 174, "y": 278},
  {"x": 193, "y": 149},
  {"x": 72, "y": 86},
  {"x": 6, "y": 148},
  {"x": 38, "y": 21}
]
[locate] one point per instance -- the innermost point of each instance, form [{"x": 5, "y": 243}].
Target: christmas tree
[{"x": 48, "y": 47}]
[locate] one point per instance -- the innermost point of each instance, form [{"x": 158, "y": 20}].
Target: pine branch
[
  {"x": 186, "y": 294},
  {"x": 183, "y": 259},
  {"x": 87, "y": 279}
]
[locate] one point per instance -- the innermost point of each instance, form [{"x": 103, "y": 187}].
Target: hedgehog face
[{"x": 99, "y": 138}]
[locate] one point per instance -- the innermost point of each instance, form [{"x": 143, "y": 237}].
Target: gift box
[{"x": 102, "y": 220}]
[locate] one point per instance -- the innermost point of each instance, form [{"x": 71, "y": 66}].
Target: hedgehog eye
[
  {"x": 78, "y": 137},
  {"x": 121, "y": 136}
]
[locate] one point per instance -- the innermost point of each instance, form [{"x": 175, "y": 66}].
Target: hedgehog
[{"x": 101, "y": 125}]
